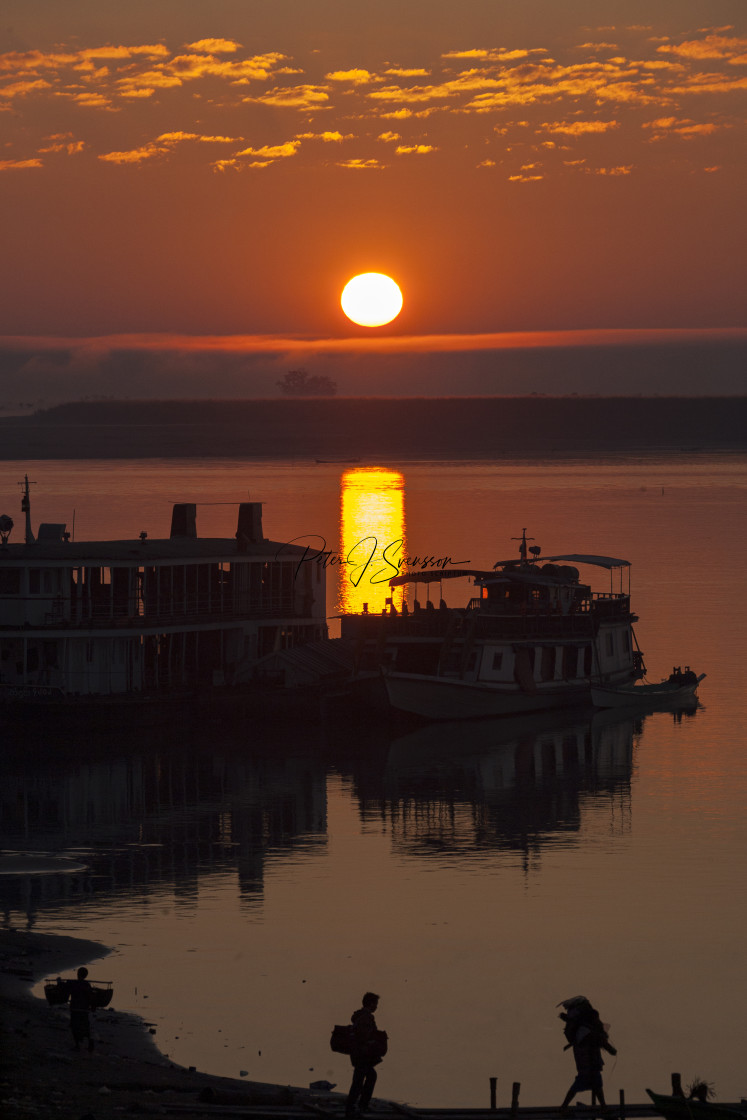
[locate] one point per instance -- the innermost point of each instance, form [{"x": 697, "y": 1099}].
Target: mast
[{"x": 26, "y": 508}]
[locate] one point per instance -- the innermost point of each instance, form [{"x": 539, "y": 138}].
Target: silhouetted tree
[{"x": 297, "y": 383}]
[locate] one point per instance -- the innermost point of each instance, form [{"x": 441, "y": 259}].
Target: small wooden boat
[
  {"x": 680, "y": 686},
  {"x": 689, "y": 1108},
  {"x": 57, "y": 992}
]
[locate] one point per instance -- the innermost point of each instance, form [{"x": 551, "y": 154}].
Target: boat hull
[
  {"x": 643, "y": 695},
  {"x": 442, "y": 698}
]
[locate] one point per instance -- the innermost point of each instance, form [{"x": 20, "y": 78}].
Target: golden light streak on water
[{"x": 372, "y": 538}]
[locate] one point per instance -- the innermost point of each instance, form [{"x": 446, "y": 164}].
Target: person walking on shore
[
  {"x": 367, "y": 1050},
  {"x": 587, "y": 1035},
  {"x": 81, "y": 1006}
]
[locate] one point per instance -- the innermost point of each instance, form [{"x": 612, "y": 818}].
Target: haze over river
[{"x": 254, "y": 879}]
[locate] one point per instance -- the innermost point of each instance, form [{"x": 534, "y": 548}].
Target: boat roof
[
  {"x": 435, "y": 575},
  {"x": 151, "y": 550},
  {"x": 586, "y": 558}
]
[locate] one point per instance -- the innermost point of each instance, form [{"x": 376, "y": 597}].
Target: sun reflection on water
[{"x": 372, "y": 538}]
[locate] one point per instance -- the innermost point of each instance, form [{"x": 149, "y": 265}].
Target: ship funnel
[
  {"x": 184, "y": 520},
  {"x": 249, "y": 527}
]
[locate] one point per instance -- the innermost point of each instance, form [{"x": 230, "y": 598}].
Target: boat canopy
[
  {"x": 435, "y": 575},
  {"x": 599, "y": 561}
]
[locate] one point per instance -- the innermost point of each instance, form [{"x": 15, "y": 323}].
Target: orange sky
[{"x": 224, "y": 168}]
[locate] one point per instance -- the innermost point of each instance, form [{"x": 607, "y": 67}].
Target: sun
[{"x": 371, "y": 299}]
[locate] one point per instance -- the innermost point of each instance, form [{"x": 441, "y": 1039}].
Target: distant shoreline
[{"x": 380, "y": 428}]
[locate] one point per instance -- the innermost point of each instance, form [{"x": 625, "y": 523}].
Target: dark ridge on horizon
[{"x": 378, "y": 428}]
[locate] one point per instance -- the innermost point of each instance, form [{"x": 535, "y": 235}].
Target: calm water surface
[{"x": 254, "y": 880}]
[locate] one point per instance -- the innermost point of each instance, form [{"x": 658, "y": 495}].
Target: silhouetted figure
[
  {"x": 81, "y": 1006},
  {"x": 587, "y": 1035},
  {"x": 365, "y": 1055}
]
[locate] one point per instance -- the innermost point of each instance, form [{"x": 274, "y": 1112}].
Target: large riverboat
[
  {"x": 535, "y": 637},
  {"x": 148, "y": 619}
]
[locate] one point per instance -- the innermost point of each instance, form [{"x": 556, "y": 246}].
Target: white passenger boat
[
  {"x": 535, "y": 637},
  {"x": 148, "y": 619}
]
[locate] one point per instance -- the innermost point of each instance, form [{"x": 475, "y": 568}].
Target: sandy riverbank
[{"x": 41, "y": 1075}]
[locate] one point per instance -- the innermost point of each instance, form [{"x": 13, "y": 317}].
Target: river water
[{"x": 254, "y": 880}]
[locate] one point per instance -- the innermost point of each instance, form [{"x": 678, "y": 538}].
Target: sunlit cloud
[
  {"x": 357, "y": 77},
  {"x": 499, "y": 55},
  {"x": 21, "y": 89},
  {"x": 415, "y": 149},
  {"x": 135, "y": 155},
  {"x": 734, "y": 50},
  {"x": 295, "y": 97},
  {"x": 361, "y": 164},
  {"x": 399, "y": 72},
  {"x": 273, "y": 151},
  {"x": 623, "y": 170},
  {"x": 214, "y": 46},
  {"x": 19, "y": 164},
  {"x": 63, "y": 142},
  {"x": 579, "y": 128},
  {"x": 687, "y": 129},
  {"x": 326, "y": 137},
  {"x": 501, "y": 88}
]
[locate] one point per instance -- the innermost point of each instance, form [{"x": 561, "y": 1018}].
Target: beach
[{"x": 41, "y": 1074}]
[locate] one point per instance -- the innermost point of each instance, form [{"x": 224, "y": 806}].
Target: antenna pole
[{"x": 26, "y": 508}]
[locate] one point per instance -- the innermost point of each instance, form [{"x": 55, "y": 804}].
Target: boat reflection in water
[
  {"x": 171, "y": 815},
  {"x": 372, "y": 539},
  {"x": 525, "y": 783},
  {"x": 164, "y": 816}
]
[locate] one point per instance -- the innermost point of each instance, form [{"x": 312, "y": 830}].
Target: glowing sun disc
[{"x": 371, "y": 299}]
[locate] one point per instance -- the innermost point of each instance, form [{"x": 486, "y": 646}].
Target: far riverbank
[{"x": 371, "y": 429}]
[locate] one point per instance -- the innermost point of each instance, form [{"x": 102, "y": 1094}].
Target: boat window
[
  {"x": 626, "y": 642},
  {"x": 10, "y": 581},
  {"x": 497, "y": 661},
  {"x": 548, "y": 663},
  {"x": 610, "y": 648}
]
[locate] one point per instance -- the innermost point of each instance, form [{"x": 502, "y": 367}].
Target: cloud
[
  {"x": 295, "y": 97},
  {"x": 135, "y": 155},
  {"x": 415, "y": 149},
  {"x": 19, "y": 164},
  {"x": 734, "y": 50},
  {"x": 177, "y": 88},
  {"x": 327, "y": 137},
  {"x": 214, "y": 46},
  {"x": 579, "y": 128},
  {"x": 399, "y": 72},
  {"x": 625, "y": 170},
  {"x": 686, "y": 129},
  {"x": 273, "y": 151},
  {"x": 361, "y": 164},
  {"x": 21, "y": 89},
  {"x": 357, "y": 77}
]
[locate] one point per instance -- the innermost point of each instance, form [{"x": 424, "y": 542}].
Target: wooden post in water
[
  {"x": 515, "y": 1090},
  {"x": 622, "y": 1104},
  {"x": 677, "y": 1085},
  {"x": 493, "y": 1083}
]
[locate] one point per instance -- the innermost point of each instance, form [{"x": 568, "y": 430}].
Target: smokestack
[
  {"x": 184, "y": 520},
  {"x": 250, "y": 522}
]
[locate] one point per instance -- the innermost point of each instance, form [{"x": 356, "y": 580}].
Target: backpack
[{"x": 341, "y": 1040}]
